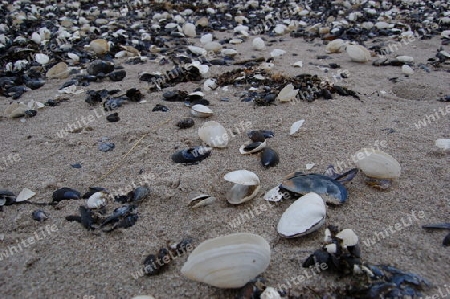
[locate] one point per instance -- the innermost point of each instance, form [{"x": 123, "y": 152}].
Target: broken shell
[
  {"x": 335, "y": 46},
  {"x": 296, "y": 126},
  {"x": 288, "y": 93},
  {"x": 201, "y": 200},
  {"x": 348, "y": 237},
  {"x": 228, "y": 261},
  {"x": 273, "y": 194},
  {"x": 25, "y": 194},
  {"x": 304, "y": 216},
  {"x": 443, "y": 144},
  {"x": 270, "y": 293},
  {"x": 258, "y": 44},
  {"x": 377, "y": 164},
  {"x": 96, "y": 200},
  {"x": 246, "y": 186},
  {"x": 269, "y": 157},
  {"x": 213, "y": 134},
  {"x": 358, "y": 53},
  {"x": 201, "y": 111},
  {"x": 252, "y": 147}
]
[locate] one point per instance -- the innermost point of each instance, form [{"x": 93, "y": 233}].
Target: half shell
[
  {"x": 305, "y": 215},
  {"x": 213, "y": 134},
  {"x": 229, "y": 261},
  {"x": 252, "y": 147},
  {"x": 201, "y": 200},
  {"x": 377, "y": 164},
  {"x": 201, "y": 111},
  {"x": 246, "y": 186}
]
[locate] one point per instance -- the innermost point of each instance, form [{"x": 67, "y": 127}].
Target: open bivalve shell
[
  {"x": 201, "y": 111},
  {"x": 201, "y": 201},
  {"x": 213, "y": 134},
  {"x": 229, "y": 261},
  {"x": 246, "y": 186},
  {"x": 305, "y": 215},
  {"x": 252, "y": 147},
  {"x": 377, "y": 164}
]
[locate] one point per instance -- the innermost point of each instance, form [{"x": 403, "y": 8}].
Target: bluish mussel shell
[
  {"x": 192, "y": 155},
  {"x": 304, "y": 183},
  {"x": 65, "y": 194},
  {"x": 269, "y": 157}
]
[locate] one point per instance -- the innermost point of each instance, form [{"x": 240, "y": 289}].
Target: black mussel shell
[
  {"x": 446, "y": 241},
  {"x": 175, "y": 96},
  {"x": 118, "y": 75},
  {"x": 138, "y": 194},
  {"x": 257, "y": 136},
  {"x": 269, "y": 157},
  {"x": 7, "y": 198},
  {"x": 113, "y": 117},
  {"x": 98, "y": 66},
  {"x": 92, "y": 190},
  {"x": 267, "y": 134},
  {"x": 160, "y": 107},
  {"x": 185, "y": 123},
  {"x": 30, "y": 113},
  {"x": 152, "y": 265},
  {"x": 65, "y": 194},
  {"x": 134, "y": 95},
  {"x": 39, "y": 215},
  {"x": 191, "y": 155}
]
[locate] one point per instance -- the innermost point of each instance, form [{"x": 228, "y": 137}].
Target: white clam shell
[
  {"x": 96, "y": 200},
  {"x": 443, "y": 143},
  {"x": 335, "y": 46},
  {"x": 42, "y": 58},
  {"x": 197, "y": 50},
  {"x": 201, "y": 111},
  {"x": 288, "y": 93},
  {"x": 213, "y": 46},
  {"x": 404, "y": 58},
  {"x": 377, "y": 164},
  {"x": 277, "y": 53},
  {"x": 305, "y": 215},
  {"x": 296, "y": 126},
  {"x": 258, "y": 44},
  {"x": 246, "y": 186},
  {"x": 207, "y": 38},
  {"x": 229, "y": 261},
  {"x": 213, "y": 134},
  {"x": 298, "y": 64},
  {"x": 228, "y": 52},
  {"x": 189, "y": 30},
  {"x": 348, "y": 237},
  {"x": 358, "y": 53},
  {"x": 209, "y": 84},
  {"x": 407, "y": 70}
]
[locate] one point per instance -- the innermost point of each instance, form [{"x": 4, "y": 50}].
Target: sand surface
[{"x": 69, "y": 261}]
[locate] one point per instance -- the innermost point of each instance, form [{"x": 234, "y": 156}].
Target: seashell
[
  {"x": 213, "y": 46},
  {"x": 36, "y": 37},
  {"x": 192, "y": 155},
  {"x": 235, "y": 41},
  {"x": 209, "y": 84},
  {"x": 288, "y": 93},
  {"x": 99, "y": 46},
  {"x": 407, "y": 70},
  {"x": 75, "y": 58},
  {"x": 309, "y": 166},
  {"x": 296, "y": 126},
  {"x": 203, "y": 22},
  {"x": 99, "y": 66},
  {"x": 42, "y": 59},
  {"x": 228, "y": 52},
  {"x": 189, "y": 30},
  {"x": 258, "y": 44},
  {"x": 270, "y": 293},
  {"x": 203, "y": 68},
  {"x": 96, "y": 200},
  {"x": 201, "y": 201},
  {"x": 39, "y": 215},
  {"x": 15, "y": 110},
  {"x": 254, "y": 135},
  {"x": 348, "y": 237},
  {"x": 252, "y": 147},
  {"x": 377, "y": 164},
  {"x": 277, "y": 53},
  {"x": 185, "y": 123},
  {"x": 6, "y": 197},
  {"x": 382, "y": 25},
  {"x": 300, "y": 183},
  {"x": 335, "y": 46},
  {"x": 405, "y": 58},
  {"x": 25, "y": 194},
  {"x": 358, "y": 53},
  {"x": 443, "y": 144},
  {"x": 273, "y": 194},
  {"x": 242, "y": 29},
  {"x": 297, "y": 64},
  {"x": 117, "y": 75},
  {"x": 269, "y": 157},
  {"x": 197, "y": 50},
  {"x": 58, "y": 71},
  {"x": 280, "y": 29},
  {"x": 207, "y": 38},
  {"x": 213, "y": 134},
  {"x": 201, "y": 111},
  {"x": 228, "y": 261},
  {"x": 246, "y": 186},
  {"x": 139, "y": 194},
  {"x": 65, "y": 194},
  {"x": 306, "y": 215}
]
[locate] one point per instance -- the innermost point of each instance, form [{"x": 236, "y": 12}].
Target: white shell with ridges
[
  {"x": 377, "y": 164},
  {"x": 305, "y": 215},
  {"x": 229, "y": 261}
]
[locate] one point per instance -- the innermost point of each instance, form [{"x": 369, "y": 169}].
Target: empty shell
[
  {"x": 305, "y": 215},
  {"x": 213, "y": 134},
  {"x": 246, "y": 186},
  {"x": 229, "y": 261}
]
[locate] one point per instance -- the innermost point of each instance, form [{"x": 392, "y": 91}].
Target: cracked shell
[{"x": 228, "y": 261}]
